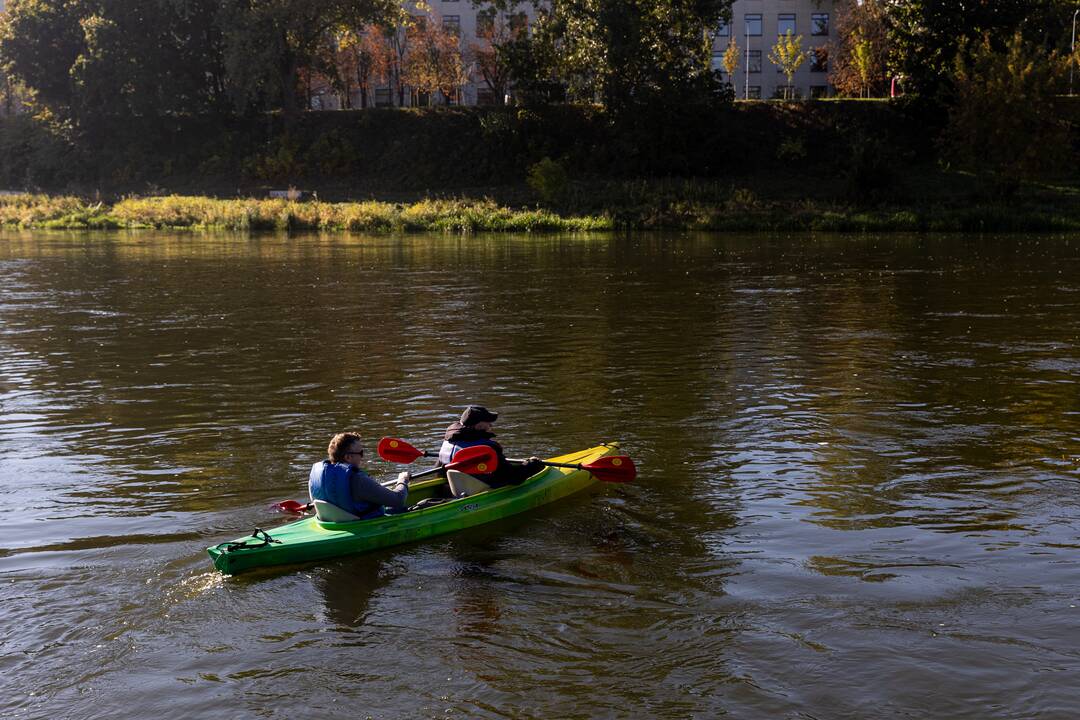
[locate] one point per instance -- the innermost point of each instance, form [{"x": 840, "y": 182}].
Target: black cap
[{"x": 477, "y": 414}]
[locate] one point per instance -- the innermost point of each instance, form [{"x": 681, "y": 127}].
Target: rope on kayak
[{"x": 263, "y": 538}]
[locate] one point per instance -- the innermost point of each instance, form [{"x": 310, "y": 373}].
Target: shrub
[{"x": 549, "y": 180}]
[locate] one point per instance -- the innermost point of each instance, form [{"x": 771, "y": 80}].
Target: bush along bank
[{"x": 742, "y": 213}]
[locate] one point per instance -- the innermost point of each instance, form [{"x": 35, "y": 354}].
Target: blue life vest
[
  {"x": 329, "y": 482},
  {"x": 449, "y": 449}
]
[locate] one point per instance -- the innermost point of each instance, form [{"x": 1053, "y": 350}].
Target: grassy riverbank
[
  {"x": 745, "y": 213},
  {"x": 201, "y": 213}
]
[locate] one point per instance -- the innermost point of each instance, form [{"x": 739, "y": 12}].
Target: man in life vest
[
  {"x": 474, "y": 428},
  {"x": 338, "y": 480}
]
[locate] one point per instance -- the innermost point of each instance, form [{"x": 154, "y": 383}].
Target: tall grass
[
  {"x": 449, "y": 216},
  {"x": 633, "y": 208}
]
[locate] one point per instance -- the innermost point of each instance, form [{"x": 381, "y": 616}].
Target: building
[{"x": 755, "y": 27}]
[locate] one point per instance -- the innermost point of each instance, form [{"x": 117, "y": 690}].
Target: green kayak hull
[{"x": 310, "y": 540}]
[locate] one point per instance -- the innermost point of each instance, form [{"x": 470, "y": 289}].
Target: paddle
[
  {"x": 292, "y": 506},
  {"x": 399, "y": 451},
  {"x": 479, "y": 459},
  {"x": 611, "y": 468}
]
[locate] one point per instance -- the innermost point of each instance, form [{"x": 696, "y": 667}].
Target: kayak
[{"x": 312, "y": 539}]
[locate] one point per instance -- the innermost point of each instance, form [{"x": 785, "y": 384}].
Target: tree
[
  {"x": 8, "y": 92},
  {"x": 731, "y": 60},
  {"x": 40, "y": 41},
  {"x": 925, "y": 35},
  {"x": 1002, "y": 123},
  {"x": 859, "y": 57},
  {"x": 531, "y": 60},
  {"x": 788, "y": 55},
  {"x": 269, "y": 42},
  {"x": 862, "y": 59},
  {"x": 349, "y": 64},
  {"x": 496, "y": 50},
  {"x": 86, "y": 59},
  {"x": 434, "y": 62},
  {"x": 630, "y": 54},
  {"x": 147, "y": 58},
  {"x": 389, "y": 47}
]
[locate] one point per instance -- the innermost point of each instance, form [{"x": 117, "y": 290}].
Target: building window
[
  {"x": 518, "y": 23},
  {"x": 382, "y": 97},
  {"x": 753, "y": 25},
  {"x": 717, "y": 60},
  {"x": 452, "y": 24},
  {"x": 786, "y": 92},
  {"x": 753, "y": 61},
  {"x": 723, "y": 30},
  {"x": 819, "y": 91},
  {"x": 785, "y": 23},
  {"x": 485, "y": 96},
  {"x": 485, "y": 23},
  {"x": 819, "y": 59},
  {"x": 819, "y": 24},
  {"x": 753, "y": 92}
]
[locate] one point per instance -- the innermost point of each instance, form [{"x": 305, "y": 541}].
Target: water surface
[{"x": 858, "y": 494}]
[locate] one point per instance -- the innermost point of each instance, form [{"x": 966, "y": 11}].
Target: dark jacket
[{"x": 459, "y": 436}]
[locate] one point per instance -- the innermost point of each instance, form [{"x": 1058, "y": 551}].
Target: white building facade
[{"x": 755, "y": 28}]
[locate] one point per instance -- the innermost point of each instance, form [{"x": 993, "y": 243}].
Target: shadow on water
[{"x": 348, "y": 586}]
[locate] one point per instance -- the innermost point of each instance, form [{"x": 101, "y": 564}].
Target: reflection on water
[{"x": 859, "y": 459}]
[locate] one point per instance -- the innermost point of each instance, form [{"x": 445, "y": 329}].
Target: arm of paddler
[{"x": 366, "y": 489}]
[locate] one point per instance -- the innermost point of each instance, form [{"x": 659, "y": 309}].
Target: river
[{"x": 858, "y": 491}]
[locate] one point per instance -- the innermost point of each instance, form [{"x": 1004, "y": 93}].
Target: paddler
[
  {"x": 340, "y": 481},
  {"x": 474, "y": 428}
]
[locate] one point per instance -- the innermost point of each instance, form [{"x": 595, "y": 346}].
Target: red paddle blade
[
  {"x": 399, "y": 451},
  {"x": 291, "y": 506},
  {"x": 479, "y": 459},
  {"x": 613, "y": 468}
]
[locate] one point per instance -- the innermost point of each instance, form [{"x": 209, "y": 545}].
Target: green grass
[
  {"x": 177, "y": 212},
  {"x": 638, "y": 208}
]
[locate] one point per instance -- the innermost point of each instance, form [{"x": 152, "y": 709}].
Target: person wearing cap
[
  {"x": 341, "y": 482},
  {"x": 473, "y": 429}
]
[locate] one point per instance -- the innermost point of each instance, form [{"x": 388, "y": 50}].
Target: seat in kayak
[
  {"x": 329, "y": 512},
  {"x": 463, "y": 485}
]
